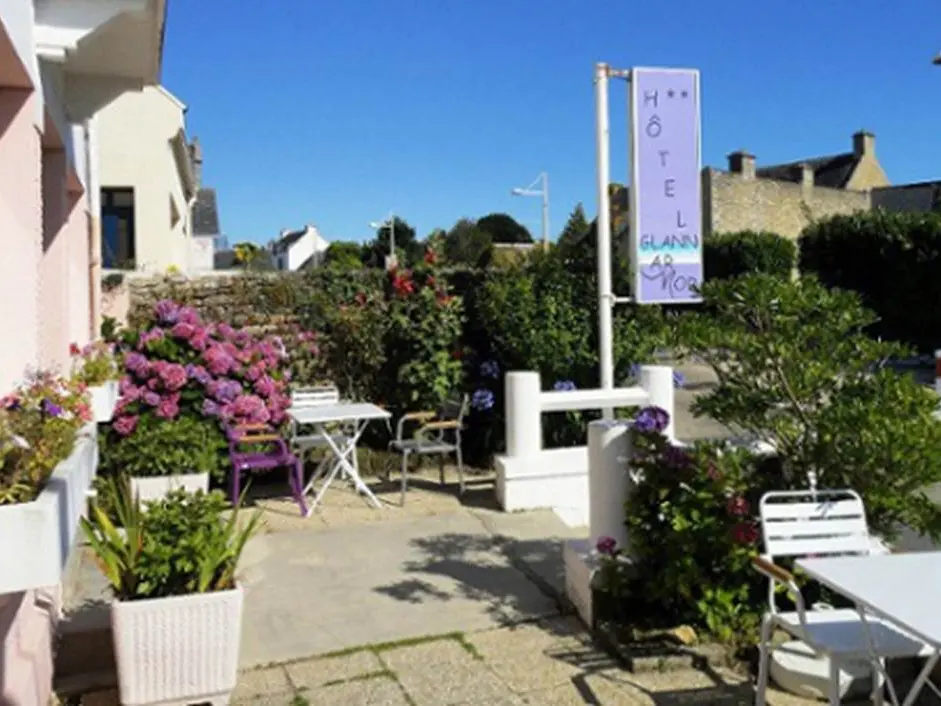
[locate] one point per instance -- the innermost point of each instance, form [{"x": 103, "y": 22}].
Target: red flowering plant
[
  {"x": 425, "y": 322},
  {"x": 692, "y": 528},
  {"x": 39, "y": 422}
]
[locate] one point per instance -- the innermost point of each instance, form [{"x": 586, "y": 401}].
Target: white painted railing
[{"x": 529, "y": 476}]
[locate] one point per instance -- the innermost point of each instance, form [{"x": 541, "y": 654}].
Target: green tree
[
  {"x": 407, "y": 246},
  {"x": 576, "y": 227},
  {"x": 467, "y": 244},
  {"x": 503, "y": 228},
  {"x": 796, "y": 370},
  {"x": 344, "y": 255}
]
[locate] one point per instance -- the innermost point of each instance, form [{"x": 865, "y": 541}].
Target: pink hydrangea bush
[{"x": 182, "y": 365}]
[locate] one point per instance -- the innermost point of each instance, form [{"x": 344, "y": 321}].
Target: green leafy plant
[
  {"x": 165, "y": 447},
  {"x": 173, "y": 547},
  {"x": 728, "y": 255},
  {"x": 796, "y": 370},
  {"x": 39, "y": 424},
  {"x": 94, "y": 364},
  {"x": 890, "y": 260}
]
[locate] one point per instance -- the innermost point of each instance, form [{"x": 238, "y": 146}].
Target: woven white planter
[
  {"x": 103, "y": 400},
  {"x": 181, "y": 650},
  {"x": 157, "y": 487},
  {"x": 37, "y": 537}
]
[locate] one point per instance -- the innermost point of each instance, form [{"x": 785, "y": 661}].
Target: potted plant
[
  {"x": 176, "y": 616},
  {"x": 48, "y": 459},
  {"x": 95, "y": 367},
  {"x": 159, "y": 455}
]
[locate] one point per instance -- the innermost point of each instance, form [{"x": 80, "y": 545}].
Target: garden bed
[{"x": 660, "y": 650}]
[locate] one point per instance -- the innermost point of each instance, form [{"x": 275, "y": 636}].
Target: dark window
[{"x": 117, "y": 229}]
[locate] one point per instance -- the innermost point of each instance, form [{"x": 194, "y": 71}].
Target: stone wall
[
  {"x": 909, "y": 197},
  {"x": 264, "y": 303},
  {"x": 734, "y": 203}
]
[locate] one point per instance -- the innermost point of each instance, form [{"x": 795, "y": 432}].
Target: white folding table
[
  {"x": 901, "y": 589},
  {"x": 355, "y": 414}
]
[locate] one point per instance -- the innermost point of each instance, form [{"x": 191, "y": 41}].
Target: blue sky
[{"x": 335, "y": 113}]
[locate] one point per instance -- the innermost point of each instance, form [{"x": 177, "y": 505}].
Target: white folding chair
[{"x": 796, "y": 524}]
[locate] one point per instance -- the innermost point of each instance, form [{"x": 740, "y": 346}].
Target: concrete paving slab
[
  {"x": 262, "y": 683},
  {"x": 380, "y": 691},
  {"x": 526, "y": 657},
  {"x": 443, "y": 672},
  {"x": 312, "y": 674},
  {"x": 313, "y": 592}
]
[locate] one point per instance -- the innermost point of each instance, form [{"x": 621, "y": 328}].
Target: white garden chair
[
  {"x": 308, "y": 397},
  {"x": 800, "y": 524}
]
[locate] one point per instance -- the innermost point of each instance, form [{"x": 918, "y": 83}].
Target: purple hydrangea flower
[
  {"x": 136, "y": 363},
  {"x": 606, "y": 545},
  {"x": 210, "y": 408},
  {"x": 151, "y": 398},
  {"x": 651, "y": 419},
  {"x": 198, "y": 373},
  {"x": 490, "y": 369},
  {"x": 564, "y": 386},
  {"x": 482, "y": 400},
  {"x": 167, "y": 311}
]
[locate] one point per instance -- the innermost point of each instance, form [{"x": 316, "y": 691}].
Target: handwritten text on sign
[{"x": 666, "y": 218}]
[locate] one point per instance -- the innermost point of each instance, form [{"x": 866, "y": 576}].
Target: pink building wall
[
  {"x": 21, "y": 228},
  {"x": 45, "y": 284}
]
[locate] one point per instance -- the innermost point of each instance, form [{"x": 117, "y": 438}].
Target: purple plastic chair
[{"x": 267, "y": 451}]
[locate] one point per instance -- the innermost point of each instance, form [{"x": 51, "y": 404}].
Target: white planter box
[
  {"x": 36, "y": 537},
  {"x": 103, "y": 400},
  {"x": 157, "y": 487},
  {"x": 183, "y": 649}
]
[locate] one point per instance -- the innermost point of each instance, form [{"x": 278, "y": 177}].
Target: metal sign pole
[{"x": 605, "y": 296}]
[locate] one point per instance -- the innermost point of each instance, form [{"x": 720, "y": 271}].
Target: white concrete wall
[
  {"x": 18, "y": 18},
  {"x": 134, "y": 150}
]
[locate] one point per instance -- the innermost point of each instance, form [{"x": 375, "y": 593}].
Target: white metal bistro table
[
  {"x": 901, "y": 589},
  {"x": 355, "y": 414}
]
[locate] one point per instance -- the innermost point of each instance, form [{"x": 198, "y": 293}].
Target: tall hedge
[
  {"x": 727, "y": 255},
  {"x": 893, "y": 260}
]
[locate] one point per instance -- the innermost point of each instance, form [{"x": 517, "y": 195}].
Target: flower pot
[
  {"x": 158, "y": 487},
  {"x": 180, "y": 649},
  {"x": 37, "y": 537},
  {"x": 104, "y": 397}
]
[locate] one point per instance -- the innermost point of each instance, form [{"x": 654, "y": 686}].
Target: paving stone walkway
[{"x": 546, "y": 663}]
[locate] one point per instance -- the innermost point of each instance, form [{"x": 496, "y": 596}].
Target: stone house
[{"x": 785, "y": 198}]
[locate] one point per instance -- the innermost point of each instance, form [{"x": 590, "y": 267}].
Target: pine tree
[{"x": 576, "y": 227}]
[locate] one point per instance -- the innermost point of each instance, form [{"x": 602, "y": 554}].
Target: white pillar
[
  {"x": 608, "y": 480},
  {"x": 657, "y": 380},
  {"x": 523, "y": 414}
]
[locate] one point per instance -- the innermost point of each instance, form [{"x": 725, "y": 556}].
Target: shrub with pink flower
[{"x": 179, "y": 365}]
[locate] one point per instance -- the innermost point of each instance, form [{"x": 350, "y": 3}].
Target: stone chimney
[
  {"x": 196, "y": 158},
  {"x": 804, "y": 175},
  {"x": 864, "y": 144},
  {"x": 742, "y": 163}
]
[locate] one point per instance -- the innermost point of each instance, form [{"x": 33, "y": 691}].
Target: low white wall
[{"x": 530, "y": 477}]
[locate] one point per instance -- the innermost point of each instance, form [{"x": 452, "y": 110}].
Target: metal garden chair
[
  {"x": 257, "y": 448},
  {"x": 438, "y": 433},
  {"x": 800, "y": 524}
]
